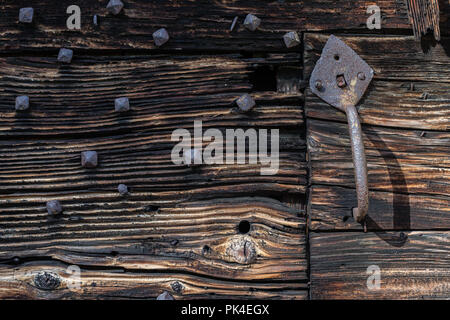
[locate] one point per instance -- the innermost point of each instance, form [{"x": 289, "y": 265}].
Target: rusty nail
[
  {"x": 122, "y": 104},
  {"x": 165, "y": 296},
  {"x": 192, "y": 157},
  {"x": 361, "y": 76},
  {"x": 22, "y": 103},
  {"x": 160, "y": 37},
  {"x": 54, "y": 207},
  {"x": 26, "y": 15},
  {"x": 114, "y": 6},
  {"x": 245, "y": 102},
  {"x": 123, "y": 189},
  {"x": 291, "y": 39},
  {"x": 318, "y": 84},
  {"x": 411, "y": 86},
  {"x": 233, "y": 24},
  {"x": 89, "y": 159},
  {"x": 65, "y": 55},
  {"x": 252, "y": 22}
]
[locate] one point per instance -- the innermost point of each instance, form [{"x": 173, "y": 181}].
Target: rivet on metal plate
[{"x": 340, "y": 78}]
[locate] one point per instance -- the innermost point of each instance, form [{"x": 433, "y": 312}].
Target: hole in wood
[
  {"x": 244, "y": 226},
  {"x": 264, "y": 78},
  {"x": 336, "y": 57}
]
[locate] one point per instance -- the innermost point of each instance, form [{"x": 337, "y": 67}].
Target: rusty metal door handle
[
  {"x": 340, "y": 78},
  {"x": 359, "y": 163}
]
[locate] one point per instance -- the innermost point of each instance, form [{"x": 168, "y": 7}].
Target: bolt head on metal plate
[
  {"x": 26, "y": 15},
  {"x": 342, "y": 74},
  {"x": 114, "y": 6},
  {"x": 65, "y": 55},
  {"x": 160, "y": 37}
]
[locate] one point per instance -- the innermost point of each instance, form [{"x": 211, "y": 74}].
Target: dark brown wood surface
[
  {"x": 193, "y": 25},
  {"x": 180, "y": 228}
]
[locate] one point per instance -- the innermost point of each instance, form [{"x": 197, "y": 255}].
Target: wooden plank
[
  {"x": 18, "y": 282},
  {"x": 198, "y": 242},
  {"x": 399, "y": 161},
  {"x": 413, "y": 265},
  {"x": 165, "y": 92},
  {"x": 330, "y": 208},
  {"x": 198, "y": 25},
  {"x": 399, "y": 62},
  {"x": 142, "y": 160}
]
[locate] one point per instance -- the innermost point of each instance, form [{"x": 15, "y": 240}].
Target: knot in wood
[
  {"x": 47, "y": 281},
  {"x": 242, "y": 250}
]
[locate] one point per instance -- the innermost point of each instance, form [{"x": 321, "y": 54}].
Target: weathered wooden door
[{"x": 222, "y": 230}]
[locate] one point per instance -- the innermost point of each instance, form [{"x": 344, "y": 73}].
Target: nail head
[
  {"x": 65, "y": 55},
  {"x": 245, "y": 102},
  {"x": 160, "y": 37},
  {"x": 291, "y": 39},
  {"x": 22, "y": 103},
  {"x": 114, "y": 6},
  {"x": 122, "y": 104},
  {"x": 26, "y": 15},
  {"x": 54, "y": 207},
  {"x": 252, "y": 22},
  {"x": 89, "y": 159}
]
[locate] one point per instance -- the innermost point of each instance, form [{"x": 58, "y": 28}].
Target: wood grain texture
[
  {"x": 141, "y": 231},
  {"x": 165, "y": 92},
  {"x": 399, "y": 161},
  {"x": 330, "y": 208},
  {"x": 413, "y": 265},
  {"x": 194, "y": 25},
  {"x": 19, "y": 283},
  {"x": 399, "y": 62}
]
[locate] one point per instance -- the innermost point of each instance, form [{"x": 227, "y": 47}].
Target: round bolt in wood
[
  {"x": 122, "y": 104},
  {"x": 114, "y": 6},
  {"x": 123, "y": 189},
  {"x": 252, "y": 22},
  {"x": 192, "y": 157},
  {"x": 22, "y": 103},
  {"x": 291, "y": 39},
  {"x": 245, "y": 102},
  {"x": 89, "y": 159},
  {"x": 319, "y": 85},
  {"x": 26, "y": 15},
  {"x": 165, "y": 296},
  {"x": 54, "y": 207},
  {"x": 65, "y": 55},
  {"x": 160, "y": 37}
]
